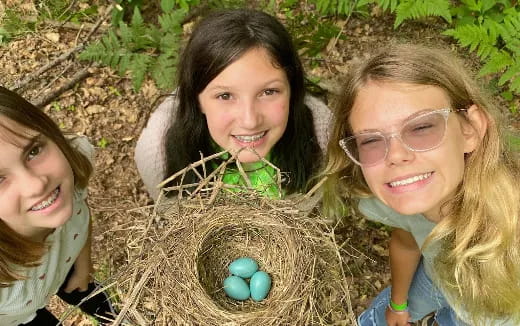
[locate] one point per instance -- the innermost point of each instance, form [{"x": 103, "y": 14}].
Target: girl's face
[
  {"x": 247, "y": 105},
  {"x": 412, "y": 182},
  {"x": 36, "y": 182}
]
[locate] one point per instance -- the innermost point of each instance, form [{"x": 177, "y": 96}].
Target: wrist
[{"x": 398, "y": 307}]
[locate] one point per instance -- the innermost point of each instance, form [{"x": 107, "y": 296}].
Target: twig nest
[{"x": 177, "y": 271}]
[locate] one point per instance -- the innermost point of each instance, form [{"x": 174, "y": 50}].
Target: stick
[
  {"x": 47, "y": 98},
  {"x": 63, "y": 57}
]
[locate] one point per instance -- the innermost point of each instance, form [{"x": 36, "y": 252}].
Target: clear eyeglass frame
[{"x": 397, "y": 134}]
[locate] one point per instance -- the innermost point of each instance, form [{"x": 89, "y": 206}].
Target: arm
[
  {"x": 404, "y": 259},
  {"x": 83, "y": 269}
]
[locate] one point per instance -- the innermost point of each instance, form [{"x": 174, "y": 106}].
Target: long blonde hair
[{"x": 479, "y": 266}]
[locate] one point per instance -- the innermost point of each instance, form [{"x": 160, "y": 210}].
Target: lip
[
  {"x": 51, "y": 207},
  {"x": 416, "y": 185}
]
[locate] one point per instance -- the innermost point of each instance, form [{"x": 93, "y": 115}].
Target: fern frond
[
  {"x": 163, "y": 71},
  {"x": 476, "y": 37},
  {"x": 496, "y": 63},
  {"x": 512, "y": 72},
  {"x": 334, "y": 7},
  {"x": 413, "y": 9},
  {"x": 172, "y": 22},
  {"x": 139, "y": 64},
  {"x": 388, "y": 4}
]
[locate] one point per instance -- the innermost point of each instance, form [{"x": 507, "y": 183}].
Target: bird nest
[{"x": 180, "y": 258}]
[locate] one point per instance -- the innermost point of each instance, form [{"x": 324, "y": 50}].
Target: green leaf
[
  {"x": 138, "y": 66},
  {"x": 414, "y": 9},
  {"x": 510, "y": 73},
  {"x": 167, "y": 5},
  {"x": 496, "y": 63}
]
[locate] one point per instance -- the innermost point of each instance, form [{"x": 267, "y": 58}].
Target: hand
[
  {"x": 393, "y": 318},
  {"x": 79, "y": 280}
]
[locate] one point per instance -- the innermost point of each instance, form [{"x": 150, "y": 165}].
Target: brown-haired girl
[
  {"x": 44, "y": 217},
  {"x": 417, "y": 140}
]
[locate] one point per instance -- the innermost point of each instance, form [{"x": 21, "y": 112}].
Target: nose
[
  {"x": 251, "y": 115},
  {"x": 397, "y": 153},
  {"x": 31, "y": 183}
]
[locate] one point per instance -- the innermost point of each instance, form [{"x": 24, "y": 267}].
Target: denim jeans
[{"x": 423, "y": 298}]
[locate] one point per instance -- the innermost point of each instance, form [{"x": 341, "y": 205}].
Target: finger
[
  {"x": 69, "y": 289},
  {"x": 83, "y": 288}
]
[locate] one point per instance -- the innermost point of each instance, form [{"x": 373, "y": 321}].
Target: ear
[{"x": 474, "y": 128}]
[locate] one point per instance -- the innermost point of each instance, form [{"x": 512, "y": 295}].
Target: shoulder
[{"x": 82, "y": 145}]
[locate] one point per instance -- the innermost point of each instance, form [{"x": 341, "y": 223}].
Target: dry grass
[{"x": 179, "y": 257}]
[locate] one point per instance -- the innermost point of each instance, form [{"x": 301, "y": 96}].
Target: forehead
[
  {"x": 256, "y": 65},
  {"x": 14, "y": 133},
  {"x": 381, "y": 105}
]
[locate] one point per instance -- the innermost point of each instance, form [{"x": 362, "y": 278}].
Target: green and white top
[{"x": 20, "y": 301}]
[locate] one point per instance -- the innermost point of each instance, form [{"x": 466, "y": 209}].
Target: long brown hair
[
  {"x": 479, "y": 266},
  {"x": 15, "y": 250}
]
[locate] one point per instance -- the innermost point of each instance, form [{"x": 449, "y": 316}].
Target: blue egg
[
  {"x": 259, "y": 285},
  {"x": 244, "y": 267},
  {"x": 236, "y": 288}
]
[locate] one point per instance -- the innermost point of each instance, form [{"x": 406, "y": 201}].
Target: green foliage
[
  {"x": 416, "y": 9},
  {"x": 341, "y": 7},
  {"x": 490, "y": 28},
  {"x": 310, "y": 32},
  {"x": 142, "y": 49}
]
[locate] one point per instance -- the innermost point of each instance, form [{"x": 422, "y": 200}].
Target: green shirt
[{"x": 263, "y": 177}]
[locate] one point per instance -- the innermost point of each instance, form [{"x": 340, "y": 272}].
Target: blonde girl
[
  {"x": 418, "y": 141},
  {"x": 44, "y": 218}
]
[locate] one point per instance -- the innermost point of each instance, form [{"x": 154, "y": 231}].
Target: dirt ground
[{"x": 106, "y": 109}]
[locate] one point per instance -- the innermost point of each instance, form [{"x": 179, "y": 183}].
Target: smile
[
  {"x": 250, "y": 138},
  {"x": 410, "y": 180},
  {"x": 47, "y": 202}
]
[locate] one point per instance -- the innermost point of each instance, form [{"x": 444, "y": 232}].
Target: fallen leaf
[{"x": 53, "y": 37}]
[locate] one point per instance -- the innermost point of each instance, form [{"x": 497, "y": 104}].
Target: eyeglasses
[{"x": 419, "y": 133}]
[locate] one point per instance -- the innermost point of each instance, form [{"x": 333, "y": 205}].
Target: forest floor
[{"x": 105, "y": 108}]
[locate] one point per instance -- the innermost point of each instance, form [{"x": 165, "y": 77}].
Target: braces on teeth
[
  {"x": 250, "y": 138},
  {"x": 48, "y": 202}
]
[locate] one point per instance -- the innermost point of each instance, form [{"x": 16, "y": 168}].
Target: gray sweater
[{"x": 150, "y": 156}]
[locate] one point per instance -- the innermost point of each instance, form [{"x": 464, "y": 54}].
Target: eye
[
  {"x": 224, "y": 96},
  {"x": 365, "y": 141},
  {"x": 271, "y": 91},
  {"x": 2, "y": 179},
  {"x": 34, "y": 151}
]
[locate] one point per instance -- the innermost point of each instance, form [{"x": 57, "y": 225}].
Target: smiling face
[
  {"x": 411, "y": 182},
  {"x": 36, "y": 182},
  {"x": 247, "y": 105}
]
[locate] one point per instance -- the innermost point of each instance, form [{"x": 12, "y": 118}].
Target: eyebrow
[
  {"x": 403, "y": 121},
  {"x": 227, "y": 88},
  {"x": 33, "y": 140}
]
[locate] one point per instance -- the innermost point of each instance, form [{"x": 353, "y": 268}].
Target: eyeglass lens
[{"x": 419, "y": 134}]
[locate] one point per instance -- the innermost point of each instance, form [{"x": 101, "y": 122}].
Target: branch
[
  {"x": 62, "y": 57},
  {"x": 47, "y": 98}
]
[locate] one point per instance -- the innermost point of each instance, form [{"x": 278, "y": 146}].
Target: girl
[
  {"x": 240, "y": 84},
  {"x": 415, "y": 137},
  {"x": 44, "y": 218}
]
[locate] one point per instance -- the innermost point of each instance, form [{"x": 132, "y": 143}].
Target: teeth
[
  {"x": 249, "y": 139},
  {"x": 48, "y": 201},
  {"x": 410, "y": 180}
]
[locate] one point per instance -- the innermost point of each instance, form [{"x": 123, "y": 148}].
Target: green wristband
[{"x": 399, "y": 307}]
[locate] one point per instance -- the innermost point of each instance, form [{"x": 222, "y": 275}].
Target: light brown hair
[{"x": 15, "y": 250}]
